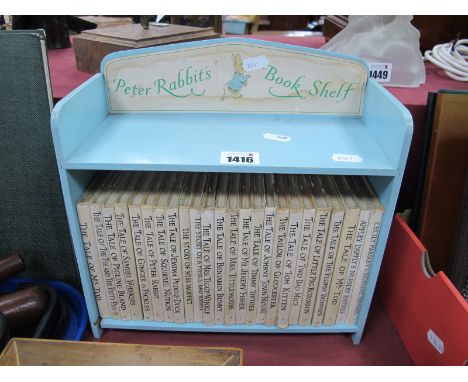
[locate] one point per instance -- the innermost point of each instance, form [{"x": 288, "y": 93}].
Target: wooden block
[
  {"x": 39, "y": 352},
  {"x": 106, "y": 21},
  {"x": 333, "y": 25},
  {"x": 92, "y": 45},
  {"x": 24, "y": 306},
  {"x": 10, "y": 265}
]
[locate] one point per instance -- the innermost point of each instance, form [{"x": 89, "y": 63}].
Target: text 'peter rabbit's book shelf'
[{"x": 238, "y": 106}]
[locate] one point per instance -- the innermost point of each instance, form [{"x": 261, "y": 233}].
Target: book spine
[
  {"x": 136, "y": 223},
  {"x": 220, "y": 264},
  {"x": 159, "y": 215},
  {"x": 184, "y": 229},
  {"x": 343, "y": 254},
  {"x": 153, "y": 268},
  {"x": 314, "y": 266},
  {"x": 331, "y": 247},
  {"x": 305, "y": 241},
  {"x": 91, "y": 253},
  {"x": 245, "y": 243},
  {"x": 365, "y": 262},
  {"x": 279, "y": 248},
  {"x": 232, "y": 246},
  {"x": 106, "y": 266},
  {"x": 110, "y": 228},
  {"x": 265, "y": 265},
  {"x": 173, "y": 246},
  {"x": 258, "y": 217},
  {"x": 353, "y": 265},
  {"x": 289, "y": 267},
  {"x": 130, "y": 272},
  {"x": 197, "y": 264},
  {"x": 207, "y": 217}
]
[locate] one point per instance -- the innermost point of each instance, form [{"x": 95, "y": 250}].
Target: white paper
[
  {"x": 347, "y": 158},
  {"x": 276, "y": 137},
  {"x": 435, "y": 341},
  {"x": 255, "y": 63}
]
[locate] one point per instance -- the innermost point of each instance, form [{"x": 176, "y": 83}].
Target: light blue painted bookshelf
[{"x": 88, "y": 136}]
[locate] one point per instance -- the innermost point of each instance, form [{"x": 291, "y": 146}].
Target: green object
[{"x": 32, "y": 213}]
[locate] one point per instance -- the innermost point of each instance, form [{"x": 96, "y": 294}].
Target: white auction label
[
  {"x": 254, "y": 63},
  {"x": 347, "y": 158},
  {"x": 240, "y": 157},
  {"x": 380, "y": 71},
  {"x": 435, "y": 341},
  {"x": 276, "y": 137}
]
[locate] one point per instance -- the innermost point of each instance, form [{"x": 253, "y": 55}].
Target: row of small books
[{"x": 229, "y": 248}]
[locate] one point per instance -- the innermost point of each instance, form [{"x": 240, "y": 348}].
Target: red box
[{"x": 427, "y": 310}]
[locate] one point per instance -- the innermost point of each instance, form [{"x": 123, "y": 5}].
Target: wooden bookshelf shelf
[
  {"x": 94, "y": 130},
  {"x": 110, "y": 323},
  {"x": 172, "y": 142}
]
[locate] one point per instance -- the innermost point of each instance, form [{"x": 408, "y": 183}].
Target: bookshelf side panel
[
  {"x": 73, "y": 186},
  {"x": 388, "y": 121},
  {"x": 77, "y": 115}
]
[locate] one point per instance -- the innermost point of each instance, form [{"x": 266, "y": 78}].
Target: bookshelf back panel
[{"x": 194, "y": 142}]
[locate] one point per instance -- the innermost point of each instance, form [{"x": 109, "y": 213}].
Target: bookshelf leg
[
  {"x": 356, "y": 337},
  {"x": 97, "y": 331}
]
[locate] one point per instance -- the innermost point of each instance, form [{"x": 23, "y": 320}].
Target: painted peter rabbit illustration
[{"x": 234, "y": 86}]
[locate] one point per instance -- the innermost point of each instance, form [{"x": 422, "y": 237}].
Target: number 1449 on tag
[{"x": 382, "y": 72}]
